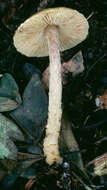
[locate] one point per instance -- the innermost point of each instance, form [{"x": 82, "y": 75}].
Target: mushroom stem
[{"x": 51, "y": 150}]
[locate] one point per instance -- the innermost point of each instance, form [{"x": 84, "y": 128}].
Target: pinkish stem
[{"x": 51, "y": 149}]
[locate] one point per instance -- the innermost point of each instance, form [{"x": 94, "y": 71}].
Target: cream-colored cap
[{"x": 30, "y": 38}]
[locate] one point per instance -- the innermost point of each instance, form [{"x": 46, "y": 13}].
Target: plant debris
[{"x": 74, "y": 65}]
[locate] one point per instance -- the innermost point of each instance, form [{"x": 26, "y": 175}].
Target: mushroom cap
[{"x": 30, "y": 38}]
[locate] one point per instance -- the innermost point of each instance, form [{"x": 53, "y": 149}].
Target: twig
[
  {"x": 100, "y": 165},
  {"x": 90, "y": 15}
]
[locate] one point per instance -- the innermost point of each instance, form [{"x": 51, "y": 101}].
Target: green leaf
[
  {"x": 7, "y": 104},
  {"x": 8, "y": 83},
  {"x": 9, "y": 93},
  {"x": 8, "y": 132},
  {"x": 32, "y": 114},
  {"x": 29, "y": 173}
]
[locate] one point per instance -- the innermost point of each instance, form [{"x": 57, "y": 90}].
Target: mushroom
[
  {"x": 47, "y": 33},
  {"x": 74, "y": 65}
]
